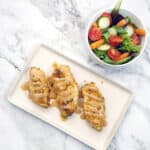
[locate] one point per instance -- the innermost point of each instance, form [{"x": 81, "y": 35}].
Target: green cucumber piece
[
  {"x": 112, "y": 31},
  {"x": 104, "y": 22},
  {"x": 123, "y": 61},
  {"x": 108, "y": 60},
  {"x": 129, "y": 29},
  {"x": 104, "y": 47}
]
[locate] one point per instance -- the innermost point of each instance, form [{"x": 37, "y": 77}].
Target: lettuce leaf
[{"x": 127, "y": 44}]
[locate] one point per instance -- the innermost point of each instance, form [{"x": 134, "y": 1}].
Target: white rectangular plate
[{"x": 117, "y": 100}]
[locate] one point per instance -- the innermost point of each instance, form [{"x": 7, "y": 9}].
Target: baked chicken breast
[
  {"x": 64, "y": 89},
  {"x": 93, "y": 106},
  {"x": 37, "y": 87}
]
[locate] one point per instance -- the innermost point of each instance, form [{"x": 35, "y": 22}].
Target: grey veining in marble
[{"x": 60, "y": 24}]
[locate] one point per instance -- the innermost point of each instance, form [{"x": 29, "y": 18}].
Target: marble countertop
[{"x": 60, "y": 24}]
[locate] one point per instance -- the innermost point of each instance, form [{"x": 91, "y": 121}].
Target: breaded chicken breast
[
  {"x": 37, "y": 87},
  {"x": 93, "y": 106},
  {"x": 64, "y": 89}
]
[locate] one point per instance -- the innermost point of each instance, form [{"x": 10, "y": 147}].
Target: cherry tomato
[
  {"x": 95, "y": 34},
  {"x": 107, "y": 14},
  {"x": 115, "y": 40},
  {"x": 114, "y": 54},
  {"x": 135, "y": 39}
]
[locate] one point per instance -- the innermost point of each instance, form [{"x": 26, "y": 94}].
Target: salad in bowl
[{"x": 116, "y": 41}]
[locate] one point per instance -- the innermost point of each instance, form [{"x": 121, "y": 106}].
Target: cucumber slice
[
  {"x": 125, "y": 60},
  {"x": 129, "y": 29},
  {"x": 104, "y": 47},
  {"x": 112, "y": 31},
  {"x": 109, "y": 61},
  {"x": 104, "y": 22}
]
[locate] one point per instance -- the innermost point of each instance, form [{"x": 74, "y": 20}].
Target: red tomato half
[
  {"x": 114, "y": 54},
  {"x": 95, "y": 33},
  {"x": 135, "y": 39},
  {"x": 115, "y": 40},
  {"x": 107, "y": 14}
]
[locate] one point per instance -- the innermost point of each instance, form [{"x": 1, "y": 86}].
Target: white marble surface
[{"x": 60, "y": 24}]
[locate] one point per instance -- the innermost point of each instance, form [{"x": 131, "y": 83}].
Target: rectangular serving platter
[{"x": 117, "y": 99}]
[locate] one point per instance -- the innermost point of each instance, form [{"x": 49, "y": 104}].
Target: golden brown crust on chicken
[
  {"x": 93, "y": 106},
  {"x": 37, "y": 87},
  {"x": 64, "y": 89}
]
